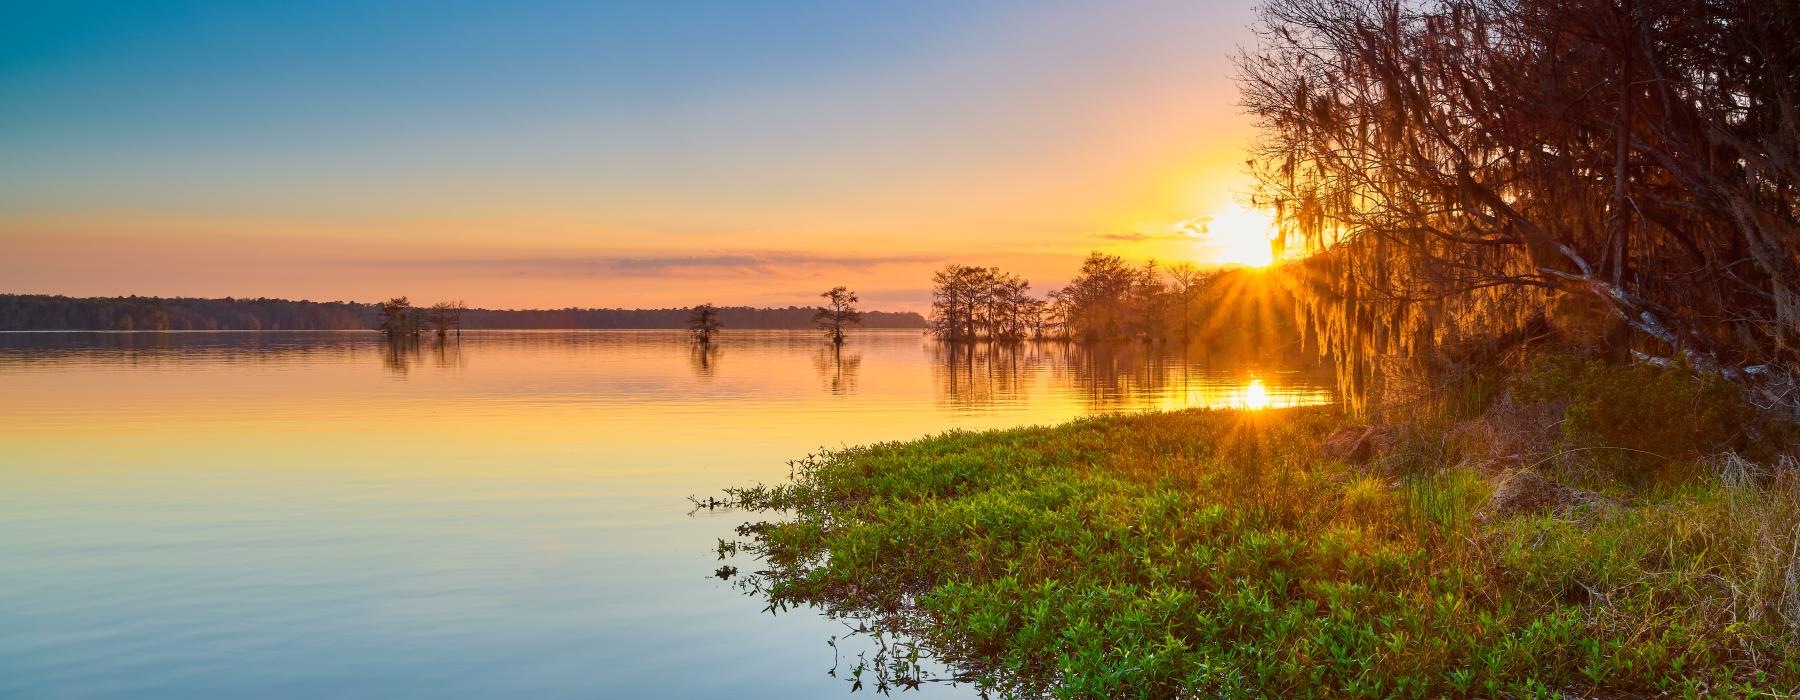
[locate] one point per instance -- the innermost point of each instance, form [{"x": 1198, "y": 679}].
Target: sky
[{"x": 554, "y": 154}]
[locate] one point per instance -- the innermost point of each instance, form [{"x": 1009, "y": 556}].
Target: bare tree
[{"x": 838, "y": 313}]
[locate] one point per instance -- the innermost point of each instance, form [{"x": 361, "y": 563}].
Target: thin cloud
[
  {"x": 736, "y": 264},
  {"x": 1196, "y": 227},
  {"x": 1140, "y": 236}
]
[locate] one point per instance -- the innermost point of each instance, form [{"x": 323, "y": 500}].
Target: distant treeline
[
  {"x": 792, "y": 317},
  {"x": 38, "y": 312}
]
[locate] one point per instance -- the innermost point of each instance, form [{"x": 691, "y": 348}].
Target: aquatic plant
[{"x": 1215, "y": 553}]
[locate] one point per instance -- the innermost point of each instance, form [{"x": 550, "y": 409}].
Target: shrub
[{"x": 1634, "y": 418}]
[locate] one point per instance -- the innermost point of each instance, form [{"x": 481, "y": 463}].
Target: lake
[{"x": 318, "y": 514}]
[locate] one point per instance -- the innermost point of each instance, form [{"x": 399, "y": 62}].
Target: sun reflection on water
[
  {"x": 1256, "y": 396},
  {"x": 380, "y": 460}
]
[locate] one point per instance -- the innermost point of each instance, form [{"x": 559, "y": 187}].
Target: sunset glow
[
  {"x": 1256, "y": 395},
  {"x": 577, "y": 159},
  {"x": 1236, "y": 235}
]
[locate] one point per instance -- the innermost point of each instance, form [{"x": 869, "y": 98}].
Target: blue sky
[{"x": 231, "y": 141}]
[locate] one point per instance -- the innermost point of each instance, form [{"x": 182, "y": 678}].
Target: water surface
[{"x": 320, "y": 514}]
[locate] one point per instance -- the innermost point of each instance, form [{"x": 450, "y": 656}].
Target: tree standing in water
[
  {"x": 959, "y": 293},
  {"x": 1188, "y": 280},
  {"x": 838, "y": 312},
  {"x": 446, "y": 315},
  {"x": 703, "y": 323},
  {"x": 1098, "y": 303},
  {"x": 399, "y": 320}
]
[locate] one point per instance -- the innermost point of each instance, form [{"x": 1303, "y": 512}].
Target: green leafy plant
[{"x": 1135, "y": 556}]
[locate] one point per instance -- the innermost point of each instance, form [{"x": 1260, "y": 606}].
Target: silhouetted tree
[
  {"x": 1457, "y": 166},
  {"x": 399, "y": 319},
  {"x": 1013, "y": 311},
  {"x": 446, "y": 315},
  {"x": 1149, "y": 303},
  {"x": 838, "y": 313},
  {"x": 1234, "y": 313},
  {"x": 703, "y": 323},
  {"x": 1187, "y": 279},
  {"x": 970, "y": 303},
  {"x": 1035, "y": 314},
  {"x": 959, "y": 293},
  {"x": 1098, "y": 303}
]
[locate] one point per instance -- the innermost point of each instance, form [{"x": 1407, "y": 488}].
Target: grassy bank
[{"x": 1216, "y": 553}]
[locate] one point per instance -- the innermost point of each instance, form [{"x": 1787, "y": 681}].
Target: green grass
[{"x": 1213, "y": 553}]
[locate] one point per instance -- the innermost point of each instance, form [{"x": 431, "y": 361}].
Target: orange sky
[{"x": 521, "y": 166}]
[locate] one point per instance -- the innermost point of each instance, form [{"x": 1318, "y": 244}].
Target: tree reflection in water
[
  {"x": 400, "y": 355},
  {"x": 1108, "y": 377},
  {"x": 837, "y": 369},
  {"x": 973, "y": 375},
  {"x": 704, "y": 359}
]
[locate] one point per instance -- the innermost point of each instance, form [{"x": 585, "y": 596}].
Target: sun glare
[
  {"x": 1256, "y": 396},
  {"x": 1236, "y": 235}
]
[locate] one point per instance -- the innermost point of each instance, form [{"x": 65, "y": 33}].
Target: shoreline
[{"x": 1220, "y": 552}]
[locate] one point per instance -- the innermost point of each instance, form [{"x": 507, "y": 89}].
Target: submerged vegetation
[{"x": 1225, "y": 553}]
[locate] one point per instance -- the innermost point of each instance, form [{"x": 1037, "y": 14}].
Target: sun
[
  {"x": 1235, "y": 235},
  {"x": 1256, "y": 395}
]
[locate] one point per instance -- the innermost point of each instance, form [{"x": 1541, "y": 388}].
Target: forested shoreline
[
  {"x": 1110, "y": 299},
  {"x": 41, "y": 312}
]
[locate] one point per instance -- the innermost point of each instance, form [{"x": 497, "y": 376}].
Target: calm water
[{"x": 312, "y": 514}]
